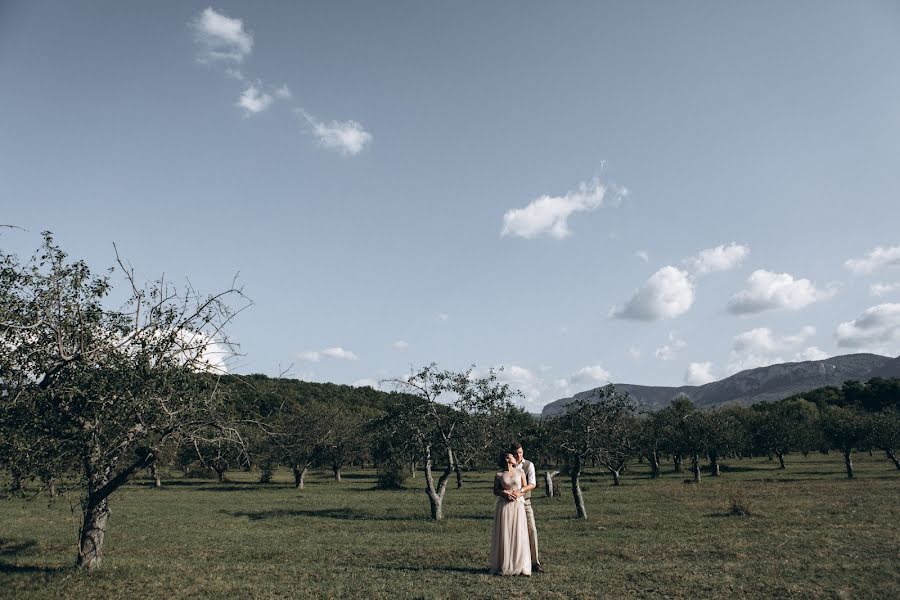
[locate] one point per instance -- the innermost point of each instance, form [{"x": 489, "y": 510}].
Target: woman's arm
[{"x": 497, "y": 488}]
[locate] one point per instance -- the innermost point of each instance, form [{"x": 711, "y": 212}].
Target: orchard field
[{"x": 811, "y": 533}]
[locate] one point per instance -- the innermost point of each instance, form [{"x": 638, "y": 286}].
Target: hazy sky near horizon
[{"x": 656, "y": 193}]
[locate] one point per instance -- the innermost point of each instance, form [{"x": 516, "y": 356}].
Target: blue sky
[{"x": 653, "y": 193}]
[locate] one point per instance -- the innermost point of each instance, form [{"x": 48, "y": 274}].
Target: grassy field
[{"x": 812, "y": 534}]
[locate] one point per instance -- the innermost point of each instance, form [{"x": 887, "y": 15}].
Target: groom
[{"x": 528, "y": 467}]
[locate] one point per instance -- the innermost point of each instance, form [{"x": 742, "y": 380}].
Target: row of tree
[{"x": 92, "y": 394}]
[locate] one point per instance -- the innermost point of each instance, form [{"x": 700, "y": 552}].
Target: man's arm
[{"x": 530, "y": 479}]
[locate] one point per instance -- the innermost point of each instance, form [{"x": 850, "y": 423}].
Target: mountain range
[{"x": 770, "y": 383}]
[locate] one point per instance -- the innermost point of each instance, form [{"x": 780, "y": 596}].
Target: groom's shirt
[{"x": 528, "y": 467}]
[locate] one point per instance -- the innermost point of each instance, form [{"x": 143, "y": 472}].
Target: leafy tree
[
  {"x": 93, "y": 391},
  {"x": 600, "y": 427},
  {"x": 845, "y": 429},
  {"x": 429, "y": 419},
  {"x": 786, "y": 426},
  {"x": 885, "y": 433}
]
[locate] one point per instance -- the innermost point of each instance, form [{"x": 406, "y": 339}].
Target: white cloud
[
  {"x": 584, "y": 378},
  {"x": 548, "y": 215},
  {"x": 811, "y": 353},
  {"x": 400, "y": 345},
  {"x": 594, "y": 374},
  {"x": 720, "y": 258},
  {"x": 642, "y": 254},
  {"x": 521, "y": 379},
  {"x": 254, "y": 101},
  {"x": 335, "y": 352},
  {"x": 768, "y": 291},
  {"x": 634, "y": 352},
  {"x": 347, "y": 137},
  {"x": 667, "y": 294},
  {"x": 284, "y": 93},
  {"x": 761, "y": 347},
  {"x": 878, "y": 328},
  {"x": 764, "y": 340},
  {"x": 879, "y": 257},
  {"x": 699, "y": 373},
  {"x": 671, "y": 348},
  {"x": 882, "y": 289},
  {"x": 220, "y": 37},
  {"x": 442, "y": 316}
]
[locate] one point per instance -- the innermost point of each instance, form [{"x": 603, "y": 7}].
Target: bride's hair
[{"x": 501, "y": 459}]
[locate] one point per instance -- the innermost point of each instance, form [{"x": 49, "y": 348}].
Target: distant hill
[{"x": 757, "y": 385}]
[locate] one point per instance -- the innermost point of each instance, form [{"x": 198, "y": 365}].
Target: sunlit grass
[{"x": 811, "y": 534}]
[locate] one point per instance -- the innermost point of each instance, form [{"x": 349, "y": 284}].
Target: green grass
[{"x": 812, "y": 534}]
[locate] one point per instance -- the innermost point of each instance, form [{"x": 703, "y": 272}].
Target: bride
[{"x": 510, "y": 552}]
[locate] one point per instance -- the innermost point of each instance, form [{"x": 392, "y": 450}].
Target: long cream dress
[{"x": 510, "y": 552}]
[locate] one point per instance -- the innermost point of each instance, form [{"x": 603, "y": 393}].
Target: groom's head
[{"x": 517, "y": 451}]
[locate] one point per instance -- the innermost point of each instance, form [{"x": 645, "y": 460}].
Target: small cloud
[
  {"x": 642, "y": 254},
  {"x": 283, "y": 93},
  {"x": 667, "y": 294},
  {"x": 669, "y": 350},
  {"x": 549, "y": 215},
  {"x": 220, "y": 38},
  {"x": 882, "y": 289},
  {"x": 771, "y": 291},
  {"x": 764, "y": 340},
  {"x": 879, "y": 257},
  {"x": 442, "y": 316},
  {"x": 254, "y": 101},
  {"x": 720, "y": 258},
  {"x": 400, "y": 345},
  {"x": 336, "y": 352},
  {"x": 592, "y": 374},
  {"x": 811, "y": 353},
  {"x": 634, "y": 352},
  {"x": 761, "y": 347},
  {"x": 878, "y": 328},
  {"x": 699, "y": 373},
  {"x": 347, "y": 137}
]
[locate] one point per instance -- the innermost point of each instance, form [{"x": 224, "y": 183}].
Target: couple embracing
[{"x": 514, "y": 546}]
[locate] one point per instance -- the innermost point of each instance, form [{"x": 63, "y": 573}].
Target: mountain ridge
[{"x": 769, "y": 383}]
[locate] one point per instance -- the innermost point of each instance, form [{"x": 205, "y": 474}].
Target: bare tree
[{"x": 95, "y": 390}]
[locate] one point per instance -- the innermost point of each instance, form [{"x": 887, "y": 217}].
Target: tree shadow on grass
[
  {"x": 344, "y": 514},
  {"x": 446, "y": 569},
  {"x": 11, "y": 550}
]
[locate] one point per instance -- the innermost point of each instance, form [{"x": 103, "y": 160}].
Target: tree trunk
[
  {"x": 615, "y": 475},
  {"x": 548, "y": 483},
  {"x": 893, "y": 456},
  {"x": 459, "y": 479},
  {"x": 714, "y": 469},
  {"x": 220, "y": 474},
  {"x": 677, "y": 460},
  {"x": 771, "y": 458},
  {"x": 93, "y": 532},
  {"x": 299, "y": 475},
  {"x": 575, "y": 473},
  {"x": 848, "y": 462},
  {"x": 412, "y": 470},
  {"x": 51, "y": 487},
  {"x": 265, "y": 474},
  {"x": 780, "y": 459},
  {"x": 336, "y": 469},
  {"x": 695, "y": 466},
  {"x": 434, "y": 492},
  {"x": 154, "y": 473},
  {"x": 653, "y": 457}
]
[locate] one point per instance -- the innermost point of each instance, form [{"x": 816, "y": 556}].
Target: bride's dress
[{"x": 510, "y": 552}]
